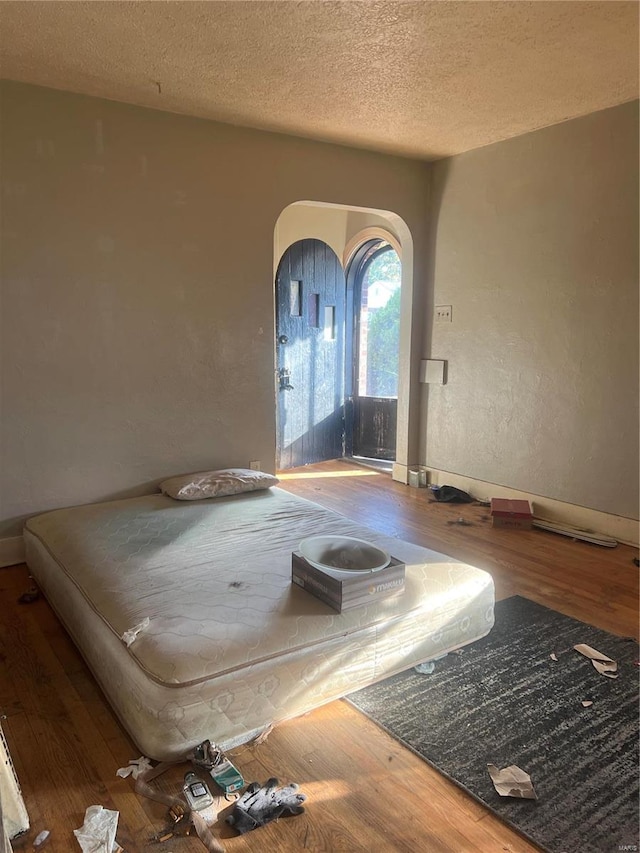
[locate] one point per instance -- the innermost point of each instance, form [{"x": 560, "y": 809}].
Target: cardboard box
[
  {"x": 344, "y": 592},
  {"x": 513, "y": 514}
]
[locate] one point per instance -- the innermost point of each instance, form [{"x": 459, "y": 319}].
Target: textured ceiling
[{"x": 423, "y": 79}]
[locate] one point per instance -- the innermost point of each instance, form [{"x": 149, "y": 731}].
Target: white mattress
[{"x": 232, "y": 646}]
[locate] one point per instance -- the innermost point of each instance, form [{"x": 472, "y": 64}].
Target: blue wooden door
[{"x": 310, "y": 327}]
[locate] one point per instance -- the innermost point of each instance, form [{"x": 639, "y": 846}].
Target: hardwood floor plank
[
  {"x": 365, "y": 790},
  {"x": 64, "y": 735}
]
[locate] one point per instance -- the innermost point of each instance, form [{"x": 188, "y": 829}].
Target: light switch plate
[{"x": 443, "y": 314}]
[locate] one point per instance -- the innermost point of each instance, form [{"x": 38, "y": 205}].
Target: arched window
[
  {"x": 378, "y": 321},
  {"x": 372, "y": 353}
]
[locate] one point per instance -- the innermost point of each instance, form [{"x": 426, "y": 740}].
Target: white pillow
[{"x": 216, "y": 484}]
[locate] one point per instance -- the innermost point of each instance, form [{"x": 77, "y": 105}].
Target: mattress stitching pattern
[{"x": 352, "y": 630}]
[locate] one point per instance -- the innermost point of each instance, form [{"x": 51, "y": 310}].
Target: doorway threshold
[{"x": 383, "y": 465}]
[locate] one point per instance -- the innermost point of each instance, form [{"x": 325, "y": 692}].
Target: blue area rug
[{"x": 505, "y": 701}]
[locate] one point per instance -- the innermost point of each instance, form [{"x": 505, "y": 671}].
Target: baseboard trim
[
  {"x": 400, "y": 472},
  {"x": 11, "y": 551},
  {"x": 625, "y": 530}
]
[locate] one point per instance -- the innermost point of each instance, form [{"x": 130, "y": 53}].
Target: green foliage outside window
[
  {"x": 383, "y": 328},
  {"x": 383, "y": 339}
]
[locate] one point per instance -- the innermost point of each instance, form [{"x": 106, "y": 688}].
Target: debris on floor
[
  {"x": 429, "y": 666},
  {"x": 461, "y": 521},
  {"x": 196, "y": 792},
  {"x": 205, "y": 834},
  {"x": 176, "y": 813},
  {"x": 182, "y": 819},
  {"x": 258, "y": 805},
  {"x": 223, "y": 772},
  {"x": 98, "y": 832},
  {"x": 135, "y": 768},
  {"x": 261, "y": 738},
  {"x": 41, "y": 839},
  {"x": 553, "y": 656},
  {"x": 31, "y": 595},
  {"x": 261, "y": 804},
  {"x": 603, "y": 664},
  {"x": 179, "y": 824},
  {"x": 450, "y": 494},
  {"x": 575, "y": 533},
  {"x": 511, "y": 781},
  {"x": 511, "y": 514},
  {"x": 587, "y": 703}
]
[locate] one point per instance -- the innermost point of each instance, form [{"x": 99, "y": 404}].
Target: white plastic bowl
[{"x": 343, "y": 554}]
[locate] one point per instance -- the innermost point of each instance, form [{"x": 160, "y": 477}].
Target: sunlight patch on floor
[
  {"x": 315, "y": 475},
  {"x": 327, "y": 789}
]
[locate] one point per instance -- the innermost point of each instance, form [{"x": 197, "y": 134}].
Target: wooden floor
[{"x": 365, "y": 791}]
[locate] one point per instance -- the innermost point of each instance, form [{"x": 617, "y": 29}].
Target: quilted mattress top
[{"x": 213, "y": 578}]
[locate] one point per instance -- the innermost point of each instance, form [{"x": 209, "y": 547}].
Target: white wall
[
  {"x": 534, "y": 242},
  {"x": 301, "y": 221},
  {"x": 137, "y": 299},
  {"x": 335, "y": 226},
  {"x": 137, "y": 289}
]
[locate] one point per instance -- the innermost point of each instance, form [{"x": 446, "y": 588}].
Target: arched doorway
[{"x": 345, "y": 228}]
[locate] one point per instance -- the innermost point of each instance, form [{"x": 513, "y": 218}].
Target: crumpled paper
[
  {"x": 98, "y": 832},
  {"x": 604, "y": 664},
  {"x": 511, "y": 781},
  {"x": 135, "y": 768}
]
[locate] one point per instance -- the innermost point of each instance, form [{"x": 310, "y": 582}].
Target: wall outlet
[
  {"x": 255, "y": 465},
  {"x": 443, "y": 313}
]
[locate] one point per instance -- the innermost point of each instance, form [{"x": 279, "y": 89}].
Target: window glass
[{"x": 379, "y": 326}]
